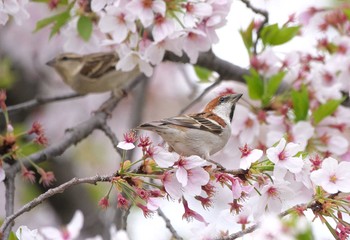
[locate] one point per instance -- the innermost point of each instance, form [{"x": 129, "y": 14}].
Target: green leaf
[
  {"x": 7, "y": 74},
  {"x": 61, "y": 20},
  {"x": 326, "y": 109},
  {"x": 273, "y": 35},
  {"x": 272, "y": 86},
  {"x": 46, "y": 21},
  {"x": 202, "y": 73},
  {"x": 12, "y": 236},
  {"x": 247, "y": 37},
  {"x": 300, "y": 101},
  {"x": 84, "y": 27},
  {"x": 347, "y": 13},
  {"x": 255, "y": 85}
]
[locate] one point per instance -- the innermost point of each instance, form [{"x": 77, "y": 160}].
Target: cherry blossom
[
  {"x": 118, "y": 22},
  {"x": 245, "y": 125},
  {"x": 196, "y": 10},
  {"x": 195, "y": 41},
  {"x": 145, "y": 10},
  {"x": 300, "y": 133},
  {"x": 283, "y": 156},
  {"x": 332, "y": 176},
  {"x": 129, "y": 139},
  {"x": 331, "y": 140},
  {"x": 71, "y": 231},
  {"x": 273, "y": 195},
  {"x": 15, "y": 8},
  {"x": 23, "y": 232},
  {"x": 249, "y": 156}
]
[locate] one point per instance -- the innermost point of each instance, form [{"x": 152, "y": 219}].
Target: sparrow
[
  {"x": 201, "y": 134},
  {"x": 92, "y": 73}
]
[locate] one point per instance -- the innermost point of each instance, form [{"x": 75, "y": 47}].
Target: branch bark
[{"x": 60, "y": 189}]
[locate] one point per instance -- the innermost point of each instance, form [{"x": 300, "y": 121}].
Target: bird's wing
[
  {"x": 200, "y": 121},
  {"x": 98, "y": 64}
]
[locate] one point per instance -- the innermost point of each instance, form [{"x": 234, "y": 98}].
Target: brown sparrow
[
  {"x": 201, "y": 134},
  {"x": 92, "y": 73}
]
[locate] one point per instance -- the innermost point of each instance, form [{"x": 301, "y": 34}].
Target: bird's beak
[
  {"x": 236, "y": 97},
  {"x": 51, "y": 63}
]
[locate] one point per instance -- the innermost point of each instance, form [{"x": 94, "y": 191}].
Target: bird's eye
[
  {"x": 221, "y": 100},
  {"x": 64, "y": 58}
]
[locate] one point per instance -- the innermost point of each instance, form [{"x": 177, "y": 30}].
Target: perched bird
[
  {"x": 201, "y": 134},
  {"x": 92, "y": 73}
]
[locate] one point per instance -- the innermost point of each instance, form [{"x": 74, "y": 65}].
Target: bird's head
[
  {"x": 223, "y": 106},
  {"x": 67, "y": 64}
]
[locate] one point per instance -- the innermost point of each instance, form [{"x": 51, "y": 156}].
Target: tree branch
[
  {"x": 40, "y": 101},
  {"x": 49, "y": 193},
  {"x": 209, "y": 60},
  {"x": 74, "y": 135},
  {"x": 10, "y": 202},
  {"x": 262, "y": 12},
  {"x": 112, "y": 137},
  {"x": 169, "y": 225},
  {"x": 255, "y": 226}
]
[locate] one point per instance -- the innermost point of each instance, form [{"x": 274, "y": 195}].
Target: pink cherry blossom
[
  {"x": 191, "y": 175},
  {"x": 156, "y": 50},
  {"x": 23, "y": 232},
  {"x": 299, "y": 133},
  {"x": 196, "y": 10},
  {"x": 331, "y": 140},
  {"x": 245, "y": 125},
  {"x": 273, "y": 195},
  {"x": 172, "y": 186},
  {"x": 132, "y": 59},
  {"x": 117, "y": 21},
  {"x": 71, "y": 231},
  {"x": 283, "y": 156},
  {"x": 129, "y": 139},
  {"x": 249, "y": 156},
  {"x": 332, "y": 176},
  {"x": 163, "y": 27},
  {"x": 195, "y": 41},
  {"x": 145, "y": 10}
]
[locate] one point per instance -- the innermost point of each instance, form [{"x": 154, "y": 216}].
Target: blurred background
[{"x": 25, "y": 76}]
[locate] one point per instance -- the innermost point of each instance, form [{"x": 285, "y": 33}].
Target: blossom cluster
[
  {"x": 265, "y": 178},
  {"x": 14, "y": 8},
  {"x": 12, "y": 147}
]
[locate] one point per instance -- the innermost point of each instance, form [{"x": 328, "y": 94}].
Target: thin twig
[
  {"x": 10, "y": 201},
  {"x": 262, "y": 12},
  {"x": 74, "y": 136},
  {"x": 200, "y": 97},
  {"x": 112, "y": 137},
  {"x": 255, "y": 226},
  {"x": 169, "y": 225},
  {"x": 40, "y": 101},
  {"x": 49, "y": 193}
]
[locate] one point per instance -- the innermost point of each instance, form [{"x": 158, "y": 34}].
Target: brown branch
[
  {"x": 262, "y": 12},
  {"x": 169, "y": 225},
  {"x": 49, "y": 193},
  {"x": 112, "y": 137},
  {"x": 209, "y": 60},
  {"x": 10, "y": 202},
  {"x": 74, "y": 135},
  {"x": 255, "y": 226},
  {"x": 40, "y": 101}
]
